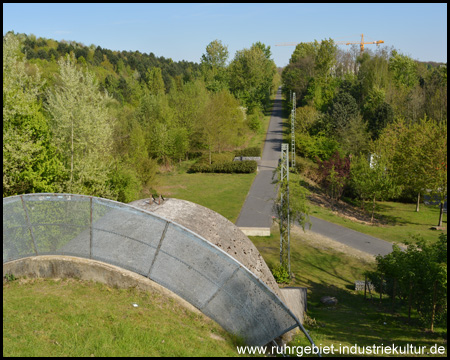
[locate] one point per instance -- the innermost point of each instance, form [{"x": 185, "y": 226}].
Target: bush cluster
[
  {"x": 281, "y": 274},
  {"x": 251, "y": 151},
  {"x": 237, "y": 167}
]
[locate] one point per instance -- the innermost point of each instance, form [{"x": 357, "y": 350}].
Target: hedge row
[
  {"x": 251, "y": 151},
  {"x": 238, "y": 167}
]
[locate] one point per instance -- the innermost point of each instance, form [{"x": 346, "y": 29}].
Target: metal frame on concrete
[{"x": 154, "y": 247}]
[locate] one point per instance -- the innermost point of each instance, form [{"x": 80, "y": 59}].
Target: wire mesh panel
[
  {"x": 167, "y": 253},
  {"x": 56, "y": 220},
  {"x": 188, "y": 266},
  {"x": 17, "y": 239},
  {"x": 246, "y": 298},
  {"x": 124, "y": 236}
]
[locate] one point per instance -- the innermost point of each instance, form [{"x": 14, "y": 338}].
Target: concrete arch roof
[
  {"x": 166, "y": 252},
  {"x": 217, "y": 229}
]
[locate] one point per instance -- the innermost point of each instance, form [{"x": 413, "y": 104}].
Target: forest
[
  {"x": 369, "y": 126},
  {"x": 82, "y": 119},
  {"x": 88, "y": 120}
]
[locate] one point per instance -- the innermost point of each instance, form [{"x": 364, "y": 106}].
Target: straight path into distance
[
  {"x": 256, "y": 214},
  {"x": 255, "y": 217}
]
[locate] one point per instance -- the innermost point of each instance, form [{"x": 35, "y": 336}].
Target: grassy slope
[
  {"x": 223, "y": 193},
  {"x": 77, "y": 318},
  {"x": 402, "y": 221},
  {"x": 90, "y": 325},
  {"x": 354, "y": 320}
]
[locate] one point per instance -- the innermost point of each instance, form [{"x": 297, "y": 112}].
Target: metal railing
[{"x": 159, "y": 249}]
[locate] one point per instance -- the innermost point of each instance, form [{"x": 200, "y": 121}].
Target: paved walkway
[
  {"x": 256, "y": 214},
  {"x": 349, "y": 237}
]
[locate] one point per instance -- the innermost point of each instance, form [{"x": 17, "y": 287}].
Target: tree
[
  {"x": 30, "y": 163},
  {"x": 343, "y": 108},
  {"x": 418, "y": 152},
  {"x": 180, "y": 142},
  {"x": 265, "y": 49},
  {"x": 82, "y": 129},
  {"x": 403, "y": 70},
  {"x": 138, "y": 157},
  {"x": 189, "y": 108},
  {"x": 222, "y": 124},
  {"x": 335, "y": 173},
  {"x": 155, "y": 81},
  {"x": 436, "y": 93},
  {"x": 325, "y": 58},
  {"x": 373, "y": 73},
  {"x": 353, "y": 138},
  {"x": 251, "y": 76},
  {"x": 418, "y": 275},
  {"x": 406, "y": 93},
  {"x": 377, "y": 112},
  {"x": 301, "y": 69},
  {"x": 213, "y": 64},
  {"x": 297, "y": 76},
  {"x": 373, "y": 179}
]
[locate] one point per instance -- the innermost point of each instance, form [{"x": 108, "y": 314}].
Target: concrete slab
[
  {"x": 296, "y": 300},
  {"x": 255, "y": 231}
]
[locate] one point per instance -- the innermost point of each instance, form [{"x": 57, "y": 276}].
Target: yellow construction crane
[{"x": 361, "y": 43}]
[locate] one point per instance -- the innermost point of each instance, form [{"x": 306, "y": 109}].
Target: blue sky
[{"x": 182, "y": 31}]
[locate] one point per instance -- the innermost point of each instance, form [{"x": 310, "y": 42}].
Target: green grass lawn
[
  {"x": 69, "y": 317},
  {"x": 223, "y": 193},
  {"x": 354, "y": 320},
  {"x": 401, "y": 221}
]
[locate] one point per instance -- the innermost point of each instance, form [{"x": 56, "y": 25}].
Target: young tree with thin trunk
[
  {"x": 82, "y": 129},
  {"x": 373, "y": 179}
]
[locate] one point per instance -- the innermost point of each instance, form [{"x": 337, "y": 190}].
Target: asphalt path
[
  {"x": 349, "y": 237},
  {"x": 257, "y": 210}
]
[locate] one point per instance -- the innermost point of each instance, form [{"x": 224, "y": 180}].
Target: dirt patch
[
  {"x": 340, "y": 208},
  {"x": 324, "y": 243},
  {"x": 216, "y": 337}
]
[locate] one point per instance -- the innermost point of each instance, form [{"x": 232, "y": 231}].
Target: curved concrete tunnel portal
[{"x": 238, "y": 292}]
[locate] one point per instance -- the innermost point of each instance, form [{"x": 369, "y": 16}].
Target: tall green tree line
[{"x": 87, "y": 120}]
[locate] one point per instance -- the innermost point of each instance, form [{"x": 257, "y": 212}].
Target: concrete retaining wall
[{"x": 60, "y": 267}]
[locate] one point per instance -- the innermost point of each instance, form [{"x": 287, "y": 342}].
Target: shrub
[
  {"x": 237, "y": 167},
  {"x": 251, "y": 151},
  {"x": 125, "y": 184},
  {"x": 281, "y": 274},
  {"x": 302, "y": 164},
  {"x": 314, "y": 146},
  {"x": 254, "y": 120}
]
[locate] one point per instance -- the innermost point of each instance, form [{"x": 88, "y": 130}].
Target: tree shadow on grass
[
  {"x": 269, "y": 107},
  {"x": 365, "y": 323}
]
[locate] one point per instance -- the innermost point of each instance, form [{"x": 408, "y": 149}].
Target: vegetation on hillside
[
  {"x": 370, "y": 126},
  {"x": 99, "y": 122}
]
